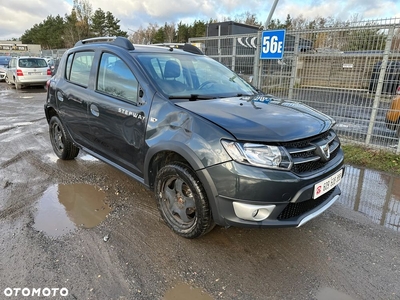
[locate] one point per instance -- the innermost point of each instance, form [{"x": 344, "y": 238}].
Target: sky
[{"x": 17, "y": 16}]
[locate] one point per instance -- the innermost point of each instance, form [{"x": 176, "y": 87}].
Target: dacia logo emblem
[{"x": 325, "y": 153}]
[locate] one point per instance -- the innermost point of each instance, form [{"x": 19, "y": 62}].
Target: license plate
[
  {"x": 327, "y": 184},
  {"x": 34, "y": 73}
]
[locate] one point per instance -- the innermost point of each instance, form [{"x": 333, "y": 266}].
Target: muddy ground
[{"x": 92, "y": 232}]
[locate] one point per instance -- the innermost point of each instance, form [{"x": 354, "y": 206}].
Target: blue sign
[{"x": 272, "y": 44}]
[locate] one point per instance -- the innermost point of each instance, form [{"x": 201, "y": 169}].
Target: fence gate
[{"x": 350, "y": 73}]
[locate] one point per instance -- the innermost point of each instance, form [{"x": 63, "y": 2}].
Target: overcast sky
[{"x": 16, "y": 16}]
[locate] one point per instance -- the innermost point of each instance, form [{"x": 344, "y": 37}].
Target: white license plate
[
  {"x": 327, "y": 184},
  {"x": 34, "y": 73}
]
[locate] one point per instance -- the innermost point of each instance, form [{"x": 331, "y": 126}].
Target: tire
[
  {"x": 17, "y": 86},
  {"x": 182, "y": 201},
  {"x": 7, "y": 80},
  {"x": 62, "y": 146}
]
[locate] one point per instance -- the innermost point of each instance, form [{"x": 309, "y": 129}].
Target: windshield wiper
[{"x": 192, "y": 97}]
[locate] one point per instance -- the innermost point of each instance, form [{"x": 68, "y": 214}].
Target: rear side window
[
  {"x": 116, "y": 79},
  {"x": 78, "y": 67},
  {"x": 32, "y": 63}
]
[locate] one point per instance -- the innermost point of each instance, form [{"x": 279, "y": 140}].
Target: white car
[{"x": 28, "y": 71}]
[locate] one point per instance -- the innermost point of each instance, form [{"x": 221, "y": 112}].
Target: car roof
[{"x": 127, "y": 45}]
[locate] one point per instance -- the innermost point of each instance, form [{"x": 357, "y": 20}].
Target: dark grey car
[{"x": 211, "y": 147}]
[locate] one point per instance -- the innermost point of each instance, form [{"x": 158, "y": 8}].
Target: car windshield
[
  {"x": 32, "y": 63},
  {"x": 195, "y": 77}
]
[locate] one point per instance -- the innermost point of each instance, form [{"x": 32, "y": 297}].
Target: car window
[
  {"x": 80, "y": 65},
  {"x": 180, "y": 74},
  {"x": 32, "y": 63},
  {"x": 116, "y": 79}
]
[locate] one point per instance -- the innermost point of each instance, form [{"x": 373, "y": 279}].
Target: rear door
[
  {"x": 118, "y": 112},
  {"x": 72, "y": 94}
]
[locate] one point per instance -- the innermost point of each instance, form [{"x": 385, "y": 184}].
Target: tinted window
[
  {"x": 80, "y": 67},
  {"x": 116, "y": 79}
]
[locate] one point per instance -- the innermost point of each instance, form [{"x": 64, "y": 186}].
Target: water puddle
[
  {"x": 183, "y": 292},
  {"x": 64, "y": 208},
  {"x": 331, "y": 294},
  {"x": 374, "y": 194}
]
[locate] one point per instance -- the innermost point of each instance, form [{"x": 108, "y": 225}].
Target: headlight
[{"x": 258, "y": 155}]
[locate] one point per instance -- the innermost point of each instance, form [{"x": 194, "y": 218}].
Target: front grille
[
  {"x": 293, "y": 210},
  {"x": 307, "y": 155}
]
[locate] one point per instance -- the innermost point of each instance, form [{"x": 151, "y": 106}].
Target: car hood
[{"x": 261, "y": 118}]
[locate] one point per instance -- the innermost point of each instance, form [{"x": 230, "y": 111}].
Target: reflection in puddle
[
  {"x": 331, "y": 294},
  {"x": 375, "y": 194},
  {"x": 183, "y": 292},
  {"x": 88, "y": 157},
  {"x": 63, "y": 208}
]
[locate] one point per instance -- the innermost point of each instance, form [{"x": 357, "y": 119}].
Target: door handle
[{"x": 94, "y": 110}]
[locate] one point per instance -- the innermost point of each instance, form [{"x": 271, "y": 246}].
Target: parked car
[
  {"x": 28, "y": 71},
  {"x": 393, "y": 114},
  {"x": 212, "y": 148},
  {"x": 4, "y": 60}
]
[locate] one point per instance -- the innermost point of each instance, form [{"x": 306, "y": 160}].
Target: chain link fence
[{"x": 350, "y": 73}]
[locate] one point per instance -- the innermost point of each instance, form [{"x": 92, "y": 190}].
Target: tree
[
  {"x": 182, "y": 33},
  {"x": 98, "y": 20},
  {"x": 49, "y": 33},
  {"x": 112, "y": 27},
  {"x": 198, "y": 29}
]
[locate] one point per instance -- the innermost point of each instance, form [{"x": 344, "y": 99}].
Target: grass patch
[{"x": 371, "y": 158}]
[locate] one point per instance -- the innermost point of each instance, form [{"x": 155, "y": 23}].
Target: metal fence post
[
  {"x": 378, "y": 93},
  {"x": 257, "y": 66},
  {"x": 294, "y": 66},
  {"x": 233, "y": 53}
]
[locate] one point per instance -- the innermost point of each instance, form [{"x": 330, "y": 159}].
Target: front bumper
[{"x": 285, "y": 198}]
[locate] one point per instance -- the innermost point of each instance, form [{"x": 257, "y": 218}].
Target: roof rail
[
  {"x": 114, "y": 40},
  {"x": 184, "y": 46}
]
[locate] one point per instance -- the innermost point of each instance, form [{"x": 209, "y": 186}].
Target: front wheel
[
  {"x": 62, "y": 146},
  {"x": 182, "y": 201}
]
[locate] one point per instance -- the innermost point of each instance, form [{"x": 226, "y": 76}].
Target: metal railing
[{"x": 350, "y": 73}]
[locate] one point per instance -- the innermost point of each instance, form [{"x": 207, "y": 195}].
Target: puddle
[
  {"x": 374, "y": 194},
  {"x": 331, "y": 294},
  {"x": 64, "y": 208},
  {"x": 183, "y": 292}
]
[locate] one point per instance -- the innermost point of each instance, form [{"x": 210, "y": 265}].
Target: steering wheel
[{"x": 205, "y": 83}]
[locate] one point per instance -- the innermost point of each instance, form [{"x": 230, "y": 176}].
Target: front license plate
[{"x": 325, "y": 185}]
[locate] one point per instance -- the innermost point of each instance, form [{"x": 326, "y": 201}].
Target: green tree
[
  {"x": 48, "y": 33},
  {"x": 182, "y": 33},
  {"x": 198, "y": 29},
  {"x": 98, "y": 20},
  {"x": 112, "y": 26}
]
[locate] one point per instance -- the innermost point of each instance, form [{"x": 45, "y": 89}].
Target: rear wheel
[
  {"x": 182, "y": 201},
  {"x": 62, "y": 146},
  {"x": 7, "y": 80},
  {"x": 17, "y": 86}
]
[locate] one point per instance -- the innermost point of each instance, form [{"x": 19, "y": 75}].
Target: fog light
[{"x": 252, "y": 212}]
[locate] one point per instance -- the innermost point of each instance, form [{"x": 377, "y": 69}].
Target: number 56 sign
[{"x": 272, "y": 44}]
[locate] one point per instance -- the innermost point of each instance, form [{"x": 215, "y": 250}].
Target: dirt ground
[{"x": 83, "y": 230}]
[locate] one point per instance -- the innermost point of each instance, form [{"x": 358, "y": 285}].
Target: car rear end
[{"x": 32, "y": 71}]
